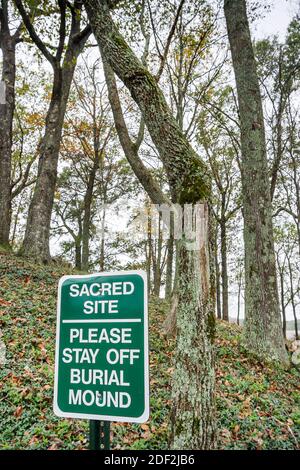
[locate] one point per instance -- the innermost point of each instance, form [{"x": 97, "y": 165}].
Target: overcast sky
[{"x": 276, "y": 22}]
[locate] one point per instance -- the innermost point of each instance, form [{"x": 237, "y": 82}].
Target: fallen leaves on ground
[{"x": 257, "y": 406}]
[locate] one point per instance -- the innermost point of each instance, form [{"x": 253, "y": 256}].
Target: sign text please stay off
[{"x": 101, "y": 366}]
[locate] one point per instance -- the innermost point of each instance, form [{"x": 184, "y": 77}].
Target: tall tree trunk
[
  {"x": 15, "y": 223},
  {"x": 239, "y": 300},
  {"x": 88, "y": 199},
  {"x": 78, "y": 242},
  {"x": 36, "y": 241},
  {"x": 78, "y": 254},
  {"x": 296, "y": 181},
  {"x": 158, "y": 255},
  {"x": 8, "y": 47},
  {"x": 193, "y": 421},
  {"x": 292, "y": 290},
  {"x": 192, "y": 413},
  {"x": 150, "y": 247},
  {"x": 218, "y": 284},
  {"x": 295, "y": 322},
  {"x": 224, "y": 270},
  {"x": 281, "y": 277},
  {"x": 129, "y": 147},
  {"x": 262, "y": 331},
  {"x": 102, "y": 246},
  {"x": 148, "y": 266},
  {"x": 279, "y": 148},
  {"x": 170, "y": 258},
  {"x": 169, "y": 325}
]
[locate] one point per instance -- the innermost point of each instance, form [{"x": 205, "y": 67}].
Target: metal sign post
[
  {"x": 101, "y": 360},
  {"x": 99, "y": 435},
  {"x": 94, "y": 435}
]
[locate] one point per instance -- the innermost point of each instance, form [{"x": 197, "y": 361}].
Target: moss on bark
[{"x": 262, "y": 332}]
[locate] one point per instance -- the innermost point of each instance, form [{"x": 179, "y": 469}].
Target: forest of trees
[{"x": 114, "y": 112}]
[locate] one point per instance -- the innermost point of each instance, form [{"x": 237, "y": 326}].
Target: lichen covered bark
[
  {"x": 262, "y": 331},
  {"x": 130, "y": 149},
  {"x": 193, "y": 383},
  {"x": 182, "y": 164},
  {"x": 193, "y": 410}
]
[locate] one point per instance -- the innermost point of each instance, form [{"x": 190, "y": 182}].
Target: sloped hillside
[{"x": 258, "y": 406}]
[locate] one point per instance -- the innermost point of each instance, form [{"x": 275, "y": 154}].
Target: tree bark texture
[
  {"x": 193, "y": 381},
  {"x": 262, "y": 331},
  {"x": 8, "y": 47},
  {"x": 170, "y": 259},
  {"x": 225, "y": 313},
  {"x": 193, "y": 423},
  {"x": 36, "y": 241},
  {"x": 88, "y": 199}
]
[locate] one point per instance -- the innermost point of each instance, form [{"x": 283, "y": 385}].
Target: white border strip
[
  {"x": 145, "y": 416},
  {"x": 113, "y": 320}
]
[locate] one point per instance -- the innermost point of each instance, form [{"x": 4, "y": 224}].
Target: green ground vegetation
[{"x": 258, "y": 406}]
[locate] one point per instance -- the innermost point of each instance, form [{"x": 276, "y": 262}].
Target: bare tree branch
[
  {"x": 62, "y": 29},
  {"x": 130, "y": 149},
  {"x": 169, "y": 40},
  {"x": 33, "y": 34}
]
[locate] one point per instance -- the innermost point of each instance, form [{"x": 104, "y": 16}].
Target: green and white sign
[{"x": 101, "y": 363}]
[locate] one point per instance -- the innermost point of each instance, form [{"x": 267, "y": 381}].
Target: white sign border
[{"x": 62, "y": 414}]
